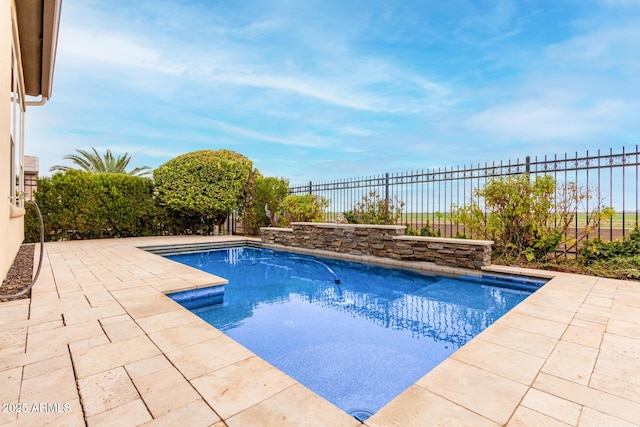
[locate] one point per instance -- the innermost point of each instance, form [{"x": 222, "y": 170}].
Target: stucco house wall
[
  {"x": 28, "y": 32},
  {"x": 11, "y": 229}
]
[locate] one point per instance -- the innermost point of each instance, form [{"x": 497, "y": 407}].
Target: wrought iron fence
[{"x": 610, "y": 179}]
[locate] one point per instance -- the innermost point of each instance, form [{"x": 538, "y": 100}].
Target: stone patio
[{"x": 99, "y": 344}]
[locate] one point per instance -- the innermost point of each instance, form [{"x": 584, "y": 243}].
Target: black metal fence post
[{"x": 386, "y": 187}]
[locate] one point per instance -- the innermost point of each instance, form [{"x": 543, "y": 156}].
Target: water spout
[{"x": 333, "y": 273}]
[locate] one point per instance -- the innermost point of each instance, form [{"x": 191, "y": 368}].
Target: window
[{"x": 16, "y": 170}]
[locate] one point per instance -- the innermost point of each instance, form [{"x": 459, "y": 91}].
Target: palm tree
[{"x": 93, "y": 162}]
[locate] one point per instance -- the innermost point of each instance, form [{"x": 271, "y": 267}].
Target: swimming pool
[{"x": 358, "y": 335}]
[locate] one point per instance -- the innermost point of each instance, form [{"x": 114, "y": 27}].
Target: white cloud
[
  {"x": 90, "y": 48},
  {"x": 585, "y": 88},
  {"x": 339, "y": 77},
  {"x": 609, "y": 48},
  {"x": 304, "y": 140},
  {"x": 307, "y": 87},
  {"x": 549, "y": 119}
]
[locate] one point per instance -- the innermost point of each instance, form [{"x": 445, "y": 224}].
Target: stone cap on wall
[
  {"x": 385, "y": 227},
  {"x": 446, "y": 240},
  {"x": 333, "y": 225}
]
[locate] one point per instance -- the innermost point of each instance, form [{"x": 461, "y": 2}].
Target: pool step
[
  {"x": 519, "y": 283},
  {"x": 198, "y": 298},
  {"x": 187, "y": 248}
]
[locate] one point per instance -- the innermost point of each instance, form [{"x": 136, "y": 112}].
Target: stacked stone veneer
[{"x": 381, "y": 241}]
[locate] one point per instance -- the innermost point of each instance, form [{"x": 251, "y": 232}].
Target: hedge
[{"x": 84, "y": 205}]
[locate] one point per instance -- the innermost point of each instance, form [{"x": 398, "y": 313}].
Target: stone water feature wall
[{"x": 382, "y": 241}]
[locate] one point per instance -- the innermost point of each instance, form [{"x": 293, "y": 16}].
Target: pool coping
[{"x": 98, "y": 325}]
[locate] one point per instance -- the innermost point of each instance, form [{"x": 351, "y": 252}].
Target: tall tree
[{"x": 107, "y": 163}]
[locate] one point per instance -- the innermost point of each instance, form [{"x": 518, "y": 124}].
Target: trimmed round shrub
[{"x": 207, "y": 183}]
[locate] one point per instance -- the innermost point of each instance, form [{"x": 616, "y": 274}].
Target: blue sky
[{"x": 315, "y": 90}]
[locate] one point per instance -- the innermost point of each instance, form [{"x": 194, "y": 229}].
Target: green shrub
[
  {"x": 303, "y": 208},
  {"x": 597, "y": 249},
  {"x": 426, "y": 231},
  {"x": 261, "y": 193},
  {"x": 350, "y": 217},
  {"x": 373, "y": 209},
  {"x": 83, "y": 205},
  {"x": 208, "y": 183},
  {"x": 410, "y": 231},
  {"x": 528, "y": 217},
  {"x": 169, "y": 222}
]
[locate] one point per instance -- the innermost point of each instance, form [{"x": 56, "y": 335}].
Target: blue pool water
[{"x": 358, "y": 335}]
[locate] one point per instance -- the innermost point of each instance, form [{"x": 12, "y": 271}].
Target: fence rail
[{"x": 610, "y": 178}]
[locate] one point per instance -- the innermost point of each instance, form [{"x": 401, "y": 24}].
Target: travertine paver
[
  {"x": 196, "y": 361},
  {"x": 194, "y": 414},
  {"x": 627, "y": 387},
  {"x": 571, "y": 361},
  {"x": 593, "y": 418},
  {"x": 609, "y": 404},
  {"x": 490, "y": 395},
  {"x": 153, "y": 304},
  {"x": 131, "y": 413},
  {"x": 491, "y": 357},
  {"x": 38, "y": 327},
  {"x": 420, "y": 407},
  {"x": 147, "y": 366},
  {"x": 57, "y": 383},
  {"x": 525, "y": 417},
  {"x": 63, "y": 335},
  {"x": 10, "y": 390},
  {"x": 100, "y": 336},
  {"x": 11, "y": 311},
  {"x": 616, "y": 370},
  {"x": 13, "y": 340},
  {"x": 47, "y": 365},
  {"x": 538, "y": 308},
  {"x": 283, "y": 409},
  {"x": 518, "y": 339},
  {"x": 584, "y": 333},
  {"x": 172, "y": 339},
  {"x": 161, "y": 321},
  {"x": 537, "y": 325},
  {"x": 108, "y": 356},
  {"x": 552, "y": 406},
  {"x": 120, "y": 327},
  {"x": 237, "y": 387},
  {"x": 620, "y": 344},
  {"x": 165, "y": 391},
  {"x": 95, "y": 341},
  {"x": 106, "y": 390},
  {"x": 50, "y": 415},
  {"x": 623, "y": 328}
]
